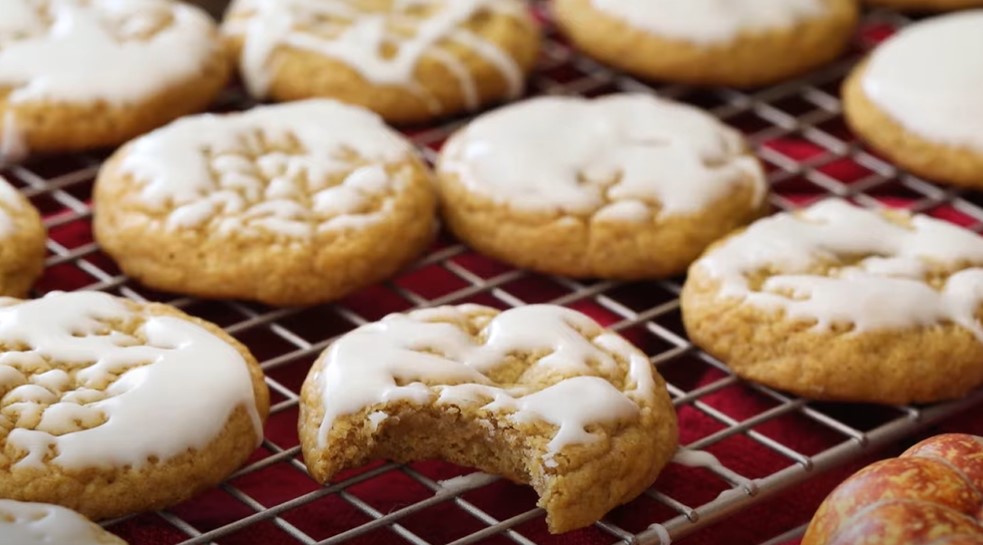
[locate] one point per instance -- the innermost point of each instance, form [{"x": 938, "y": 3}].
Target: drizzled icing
[
  {"x": 343, "y": 30},
  {"x": 426, "y": 357},
  {"x": 272, "y": 168},
  {"x": 929, "y": 77},
  {"x": 74, "y": 386},
  {"x": 77, "y": 51},
  {"x": 111, "y": 50},
  {"x": 614, "y": 157},
  {"x": 711, "y": 21},
  {"x": 877, "y": 269},
  {"x": 23, "y": 523}
]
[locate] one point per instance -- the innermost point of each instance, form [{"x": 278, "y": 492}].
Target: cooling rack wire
[{"x": 798, "y": 132}]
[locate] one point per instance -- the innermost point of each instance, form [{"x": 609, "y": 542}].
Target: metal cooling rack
[{"x": 798, "y": 132}]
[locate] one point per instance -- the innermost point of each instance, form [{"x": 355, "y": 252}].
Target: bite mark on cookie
[{"x": 540, "y": 394}]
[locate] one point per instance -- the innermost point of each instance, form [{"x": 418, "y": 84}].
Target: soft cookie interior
[{"x": 605, "y": 462}]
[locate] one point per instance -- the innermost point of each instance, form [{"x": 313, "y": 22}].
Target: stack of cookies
[{"x": 310, "y": 200}]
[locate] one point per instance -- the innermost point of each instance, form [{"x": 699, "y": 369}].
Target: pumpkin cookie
[
  {"x": 917, "y": 99},
  {"x": 80, "y": 74},
  {"x": 22, "y": 239},
  {"x": 111, "y": 407},
  {"x": 539, "y": 394},
  {"x": 625, "y": 186},
  {"x": 23, "y": 523},
  {"x": 841, "y": 303},
  {"x": 408, "y": 61},
  {"x": 292, "y": 204},
  {"x": 739, "y": 43}
]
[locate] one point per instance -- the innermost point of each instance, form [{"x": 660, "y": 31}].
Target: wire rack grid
[{"x": 798, "y": 132}]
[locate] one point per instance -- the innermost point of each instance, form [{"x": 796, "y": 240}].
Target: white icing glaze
[
  {"x": 357, "y": 37},
  {"x": 382, "y": 362},
  {"x": 23, "y": 523},
  {"x": 929, "y": 77},
  {"x": 197, "y": 169},
  {"x": 701, "y": 458},
  {"x": 182, "y": 374},
  {"x": 883, "y": 291},
  {"x": 76, "y": 51},
  {"x": 711, "y": 21},
  {"x": 614, "y": 156},
  {"x": 463, "y": 483}
]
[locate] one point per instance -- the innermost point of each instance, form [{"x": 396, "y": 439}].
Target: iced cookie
[
  {"x": 738, "y": 43},
  {"x": 539, "y": 394},
  {"x": 625, "y": 186},
  {"x": 841, "y": 303},
  {"x": 111, "y": 407},
  {"x": 24, "y": 523},
  {"x": 22, "y": 237},
  {"x": 926, "y": 5},
  {"x": 80, "y": 74},
  {"x": 292, "y": 204},
  {"x": 917, "y": 99},
  {"x": 408, "y": 61}
]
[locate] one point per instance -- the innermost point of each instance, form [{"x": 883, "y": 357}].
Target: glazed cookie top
[
  {"x": 835, "y": 263},
  {"x": 85, "y": 378},
  {"x": 529, "y": 362},
  {"x": 382, "y": 41},
  {"x": 620, "y": 157},
  {"x": 711, "y": 21},
  {"x": 928, "y": 78},
  {"x": 292, "y": 169},
  {"x": 23, "y": 523},
  {"x": 99, "y": 50}
]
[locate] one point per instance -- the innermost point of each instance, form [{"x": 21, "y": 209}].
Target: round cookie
[
  {"x": 292, "y": 204},
  {"x": 841, "y": 303},
  {"x": 407, "y": 61},
  {"x": 624, "y": 186},
  {"x": 22, "y": 238},
  {"x": 739, "y": 43},
  {"x": 540, "y": 394},
  {"x": 917, "y": 99},
  {"x": 111, "y": 407},
  {"x": 925, "y": 5},
  {"x": 81, "y": 74},
  {"x": 23, "y": 523}
]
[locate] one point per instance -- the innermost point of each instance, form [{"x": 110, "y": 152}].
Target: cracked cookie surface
[
  {"x": 540, "y": 394},
  {"x": 81, "y": 74},
  {"x": 22, "y": 237},
  {"x": 841, "y": 303},
  {"x": 407, "y": 61},
  {"x": 291, "y": 204},
  {"x": 111, "y": 407},
  {"x": 624, "y": 186}
]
